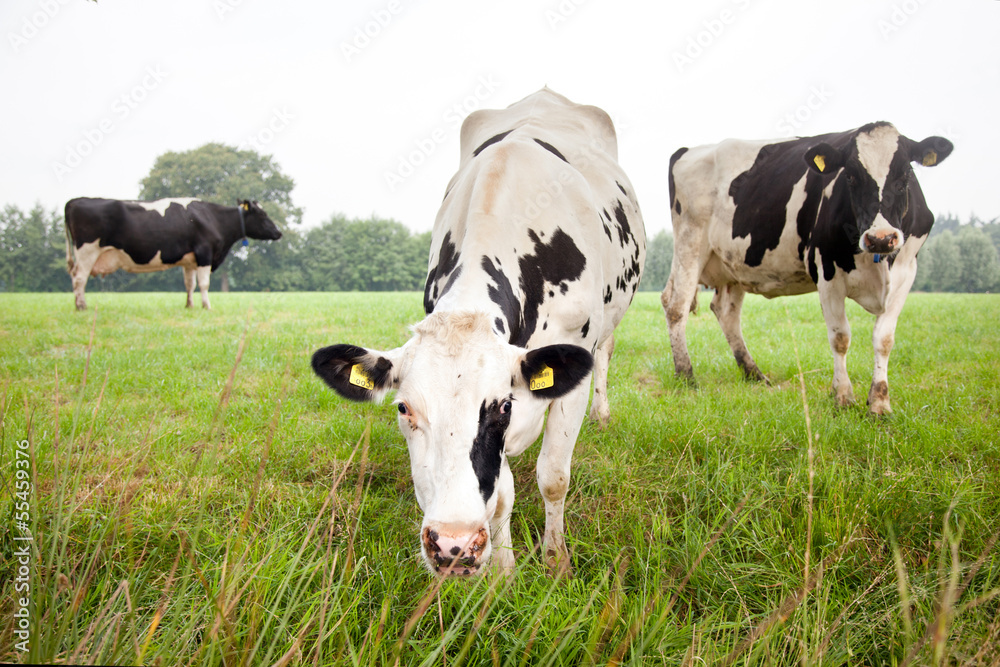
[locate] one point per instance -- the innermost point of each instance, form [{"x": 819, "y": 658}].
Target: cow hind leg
[
  {"x": 189, "y": 285},
  {"x": 565, "y": 418},
  {"x": 727, "y": 304},
  {"x": 678, "y": 295},
  {"x": 203, "y": 275},
  {"x": 600, "y": 409}
]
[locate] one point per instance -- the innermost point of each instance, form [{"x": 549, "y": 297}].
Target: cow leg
[
  {"x": 838, "y": 331},
  {"x": 189, "y": 285},
  {"x": 561, "y": 430},
  {"x": 503, "y": 546},
  {"x": 203, "y": 274},
  {"x": 86, "y": 257},
  {"x": 727, "y": 305},
  {"x": 677, "y": 298},
  {"x": 884, "y": 334},
  {"x": 600, "y": 410}
]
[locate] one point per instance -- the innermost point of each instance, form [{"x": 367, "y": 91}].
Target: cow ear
[
  {"x": 824, "y": 158},
  {"x": 354, "y": 372},
  {"x": 245, "y": 205},
  {"x": 555, "y": 370},
  {"x": 931, "y": 151}
]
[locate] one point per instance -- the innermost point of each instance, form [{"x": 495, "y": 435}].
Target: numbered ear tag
[
  {"x": 543, "y": 379},
  {"x": 245, "y": 207},
  {"x": 820, "y": 162},
  {"x": 360, "y": 378},
  {"x": 930, "y": 159}
]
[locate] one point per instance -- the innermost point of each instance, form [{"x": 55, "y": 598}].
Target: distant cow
[
  {"x": 839, "y": 213},
  {"x": 104, "y": 235},
  {"x": 536, "y": 254}
]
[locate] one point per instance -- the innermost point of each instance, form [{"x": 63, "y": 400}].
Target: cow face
[
  {"x": 874, "y": 179},
  {"x": 258, "y": 225},
  {"x": 462, "y": 393}
]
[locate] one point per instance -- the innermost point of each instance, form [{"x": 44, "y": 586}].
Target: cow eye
[
  {"x": 851, "y": 179},
  {"x": 900, "y": 186},
  {"x": 505, "y": 408},
  {"x": 403, "y": 410}
]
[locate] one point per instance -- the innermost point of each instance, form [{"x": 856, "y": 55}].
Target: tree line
[{"x": 371, "y": 254}]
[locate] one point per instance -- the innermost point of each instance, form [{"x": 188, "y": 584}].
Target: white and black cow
[
  {"x": 839, "y": 213},
  {"x": 536, "y": 254},
  {"x": 104, "y": 235}
]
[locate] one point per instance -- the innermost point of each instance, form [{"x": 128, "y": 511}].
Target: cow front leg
[
  {"x": 884, "y": 334},
  {"x": 600, "y": 409},
  {"x": 561, "y": 430},
  {"x": 86, "y": 258},
  {"x": 838, "y": 331},
  {"x": 189, "y": 285},
  {"x": 727, "y": 305},
  {"x": 503, "y": 546},
  {"x": 203, "y": 275}
]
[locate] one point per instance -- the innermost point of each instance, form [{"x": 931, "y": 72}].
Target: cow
[
  {"x": 841, "y": 214},
  {"x": 536, "y": 253},
  {"x": 104, "y": 235}
]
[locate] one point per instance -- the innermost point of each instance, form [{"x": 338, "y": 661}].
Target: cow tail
[{"x": 70, "y": 262}]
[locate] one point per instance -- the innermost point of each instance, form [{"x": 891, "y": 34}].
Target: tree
[
  {"x": 979, "y": 269},
  {"x": 224, "y": 175},
  {"x": 365, "y": 255},
  {"x": 659, "y": 255},
  {"x": 944, "y": 266},
  {"x": 32, "y": 251}
]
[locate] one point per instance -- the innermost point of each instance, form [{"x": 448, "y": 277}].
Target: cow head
[
  {"x": 876, "y": 174},
  {"x": 464, "y": 396},
  {"x": 258, "y": 225}
]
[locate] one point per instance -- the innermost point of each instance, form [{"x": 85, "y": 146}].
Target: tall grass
[{"x": 201, "y": 499}]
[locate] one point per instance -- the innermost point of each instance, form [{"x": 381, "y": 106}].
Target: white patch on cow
[
  {"x": 876, "y": 150},
  {"x": 161, "y": 205}
]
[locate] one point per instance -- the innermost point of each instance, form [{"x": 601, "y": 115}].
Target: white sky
[{"x": 91, "y": 94}]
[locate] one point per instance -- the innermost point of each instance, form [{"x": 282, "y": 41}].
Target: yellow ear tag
[
  {"x": 930, "y": 159},
  {"x": 245, "y": 207},
  {"x": 820, "y": 162},
  {"x": 543, "y": 379},
  {"x": 360, "y": 378}
]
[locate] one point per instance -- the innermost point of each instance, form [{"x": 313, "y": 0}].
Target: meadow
[{"x": 200, "y": 498}]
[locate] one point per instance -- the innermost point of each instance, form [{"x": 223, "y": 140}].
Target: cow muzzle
[
  {"x": 883, "y": 241},
  {"x": 453, "y": 551}
]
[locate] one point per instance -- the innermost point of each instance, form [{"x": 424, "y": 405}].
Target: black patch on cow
[
  {"x": 489, "y": 142},
  {"x": 502, "y": 294},
  {"x": 552, "y": 149},
  {"x": 622, "y": 188},
  {"x": 806, "y": 217},
  {"x": 586, "y": 328},
  {"x": 552, "y": 263},
  {"x": 624, "y": 228},
  {"x": 498, "y": 322},
  {"x": 487, "y": 448},
  {"x": 607, "y": 294},
  {"x": 448, "y": 259},
  {"x": 671, "y": 188},
  {"x": 761, "y": 195}
]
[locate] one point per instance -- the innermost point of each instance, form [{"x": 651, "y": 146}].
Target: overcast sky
[{"x": 360, "y": 102}]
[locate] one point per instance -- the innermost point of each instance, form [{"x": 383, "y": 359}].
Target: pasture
[{"x": 200, "y": 498}]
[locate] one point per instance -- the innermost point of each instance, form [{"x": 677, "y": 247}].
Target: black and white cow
[
  {"x": 104, "y": 235},
  {"x": 536, "y": 254},
  {"x": 839, "y": 213}
]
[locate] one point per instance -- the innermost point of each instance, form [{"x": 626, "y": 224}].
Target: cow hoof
[
  {"x": 600, "y": 417},
  {"x": 844, "y": 399},
  {"x": 557, "y": 563}
]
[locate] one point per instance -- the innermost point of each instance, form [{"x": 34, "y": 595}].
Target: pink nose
[
  {"x": 454, "y": 552},
  {"x": 882, "y": 241}
]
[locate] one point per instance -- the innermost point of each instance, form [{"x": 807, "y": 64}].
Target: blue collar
[{"x": 878, "y": 258}]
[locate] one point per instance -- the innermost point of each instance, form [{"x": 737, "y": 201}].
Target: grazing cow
[
  {"x": 104, "y": 235},
  {"x": 839, "y": 213},
  {"x": 536, "y": 254}
]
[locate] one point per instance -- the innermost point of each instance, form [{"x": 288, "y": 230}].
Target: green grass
[{"x": 201, "y": 498}]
